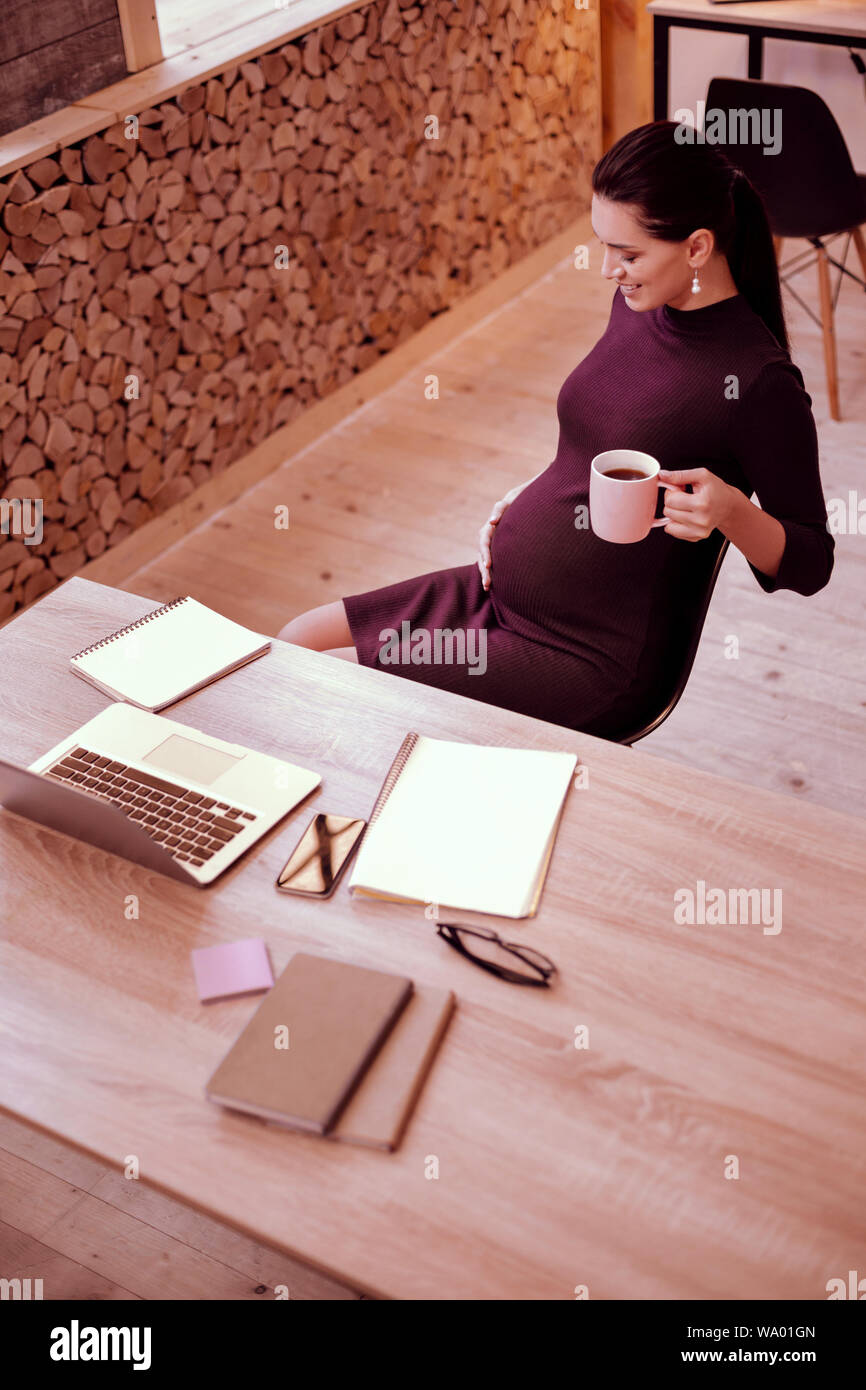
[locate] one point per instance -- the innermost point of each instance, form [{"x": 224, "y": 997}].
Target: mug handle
[{"x": 662, "y": 520}]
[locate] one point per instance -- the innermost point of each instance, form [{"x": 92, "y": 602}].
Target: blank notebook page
[
  {"x": 467, "y": 827},
  {"x": 161, "y": 660}
]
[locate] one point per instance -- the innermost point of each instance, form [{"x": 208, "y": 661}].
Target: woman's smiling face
[{"x": 649, "y": 272}]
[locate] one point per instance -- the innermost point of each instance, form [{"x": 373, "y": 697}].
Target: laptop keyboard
[{"x": 192, "y": 827}]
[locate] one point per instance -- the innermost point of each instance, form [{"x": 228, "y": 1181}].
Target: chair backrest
[
  {"x": 810, "y": 187},
  {"x": 682, "y": 669}
]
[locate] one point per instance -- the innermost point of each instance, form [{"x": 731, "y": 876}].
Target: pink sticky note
[{"x": 239, "y": 967}]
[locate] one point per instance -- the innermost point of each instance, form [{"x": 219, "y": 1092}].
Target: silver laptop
[{"x": 156, "y": 792}]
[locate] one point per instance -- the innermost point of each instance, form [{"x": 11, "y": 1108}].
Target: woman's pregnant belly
[{"x": 554, "y": 580}]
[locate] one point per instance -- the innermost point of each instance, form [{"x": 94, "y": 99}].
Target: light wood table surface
[
  {"x": 559, "y": 1167},
  {"x": 845, "y": 17}
]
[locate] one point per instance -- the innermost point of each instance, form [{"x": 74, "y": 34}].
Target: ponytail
[
  {"x": 678, "y": 188},
  {"x": 752, "y": 257}
]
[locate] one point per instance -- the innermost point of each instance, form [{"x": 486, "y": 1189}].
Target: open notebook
[
  {"x": 464, "y": 826},
  {"x": 168, "y": 654}
]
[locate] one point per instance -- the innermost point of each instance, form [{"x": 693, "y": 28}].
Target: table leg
[{"x": 661, "y": 42}]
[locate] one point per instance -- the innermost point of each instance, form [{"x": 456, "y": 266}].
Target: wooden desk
[
  {"x": 837, "y": 22},
  {"x": 558, "y": 1167}
]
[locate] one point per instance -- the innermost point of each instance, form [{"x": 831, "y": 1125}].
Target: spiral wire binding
[
  {"x": 394, "y": 771},
  {"x": 130, "y": 627}
]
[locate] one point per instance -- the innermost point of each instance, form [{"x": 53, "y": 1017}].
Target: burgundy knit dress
[{"x": 580, "y": 631}]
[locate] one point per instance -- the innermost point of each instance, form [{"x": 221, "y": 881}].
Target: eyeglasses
[{"x": 486, "y": 948}]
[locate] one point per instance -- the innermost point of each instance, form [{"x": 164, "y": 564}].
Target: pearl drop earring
[{"x": 696, "y": 284}]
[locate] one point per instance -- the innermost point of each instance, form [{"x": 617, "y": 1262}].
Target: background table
[
  {"x": 841, "y": 23},
  {"x": 558, "y": 1167}
]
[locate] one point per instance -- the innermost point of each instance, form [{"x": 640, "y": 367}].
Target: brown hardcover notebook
[
  {"x": 379, "y": 1111},
  {"x": 334, "y": 1017}
]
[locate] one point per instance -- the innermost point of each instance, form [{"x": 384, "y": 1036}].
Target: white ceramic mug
[{"x": 622, "y": 509}]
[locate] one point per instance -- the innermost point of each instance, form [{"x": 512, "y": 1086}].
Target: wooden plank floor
[
  {"x": 399, "y": 488},
  {"x": 89, "y": 1233}
]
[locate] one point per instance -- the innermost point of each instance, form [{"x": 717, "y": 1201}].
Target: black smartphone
[{"x": 320, "y": 856}]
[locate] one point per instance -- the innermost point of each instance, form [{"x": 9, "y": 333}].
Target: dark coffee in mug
[{"x": 625, "y": 474}]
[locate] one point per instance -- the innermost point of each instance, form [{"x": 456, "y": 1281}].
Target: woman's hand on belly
[{"x": 485, "y": 535}]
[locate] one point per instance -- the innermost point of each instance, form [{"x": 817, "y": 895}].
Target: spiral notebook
[
  {"x": 464, "y": 826},
  {"x": 168, "y": 654}
]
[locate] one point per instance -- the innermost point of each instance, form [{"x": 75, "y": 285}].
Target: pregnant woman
[{"x": 693, "y": 368}]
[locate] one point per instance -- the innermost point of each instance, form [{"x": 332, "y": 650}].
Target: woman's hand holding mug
[
  {"x": 691, "y": 516},
  {"x": 623, "y": 489}
]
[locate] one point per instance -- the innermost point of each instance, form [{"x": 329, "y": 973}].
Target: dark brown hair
[{"x": 677, "y": 188}]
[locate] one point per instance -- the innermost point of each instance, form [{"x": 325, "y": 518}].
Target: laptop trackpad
[{"x": 195, "y": 761}]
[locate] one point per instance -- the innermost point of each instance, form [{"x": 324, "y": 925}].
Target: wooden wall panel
[
  {"x": 32, "y": 24},
  {"x": 53, "y": 52}
]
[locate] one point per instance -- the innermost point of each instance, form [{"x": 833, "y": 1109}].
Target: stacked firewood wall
[{"x": 169, "y": 300}]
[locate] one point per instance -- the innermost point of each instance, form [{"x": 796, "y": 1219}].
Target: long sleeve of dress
[{"x": 775, "y": 444}]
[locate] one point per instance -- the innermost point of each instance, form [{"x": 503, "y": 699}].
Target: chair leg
[
  {"x": 860, "y": 243},
  {"x": 829, "y": 334}
]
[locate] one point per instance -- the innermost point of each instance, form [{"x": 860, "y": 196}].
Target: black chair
[
  {"x": 810, "y": 188},
  {"x": 681, "y": 662}
]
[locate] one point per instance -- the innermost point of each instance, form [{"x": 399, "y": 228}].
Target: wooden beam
[
  {"x": 141, "y": 39},
  {"x": 626, "y": 68}
]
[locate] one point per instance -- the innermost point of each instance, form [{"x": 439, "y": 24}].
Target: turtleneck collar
[{"x": 694, "y": 320}]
